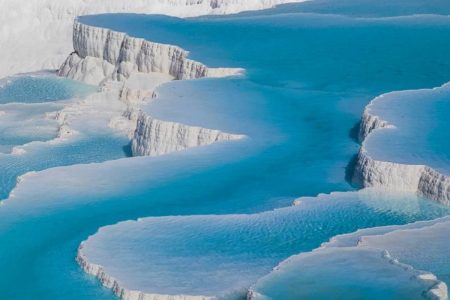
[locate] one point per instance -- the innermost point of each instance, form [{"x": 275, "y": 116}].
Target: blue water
[
  {"x": 88, "y": 149},
  {"x": 421, "y": 135},
  {"x": 23, "y": 123},
  {"x": 309, "y": 77},
  {"x": 308, "y": 51},
  {"x": 408, "y": 246},
  {"x": 352, "y": 266},
  {"x": 362, "y": 8},
  {"x": 40, "y": 88},
  {"x": 223, "y": 255},
  {"x": 342, "y": 273},
  {"x": 25, "y": 101}
]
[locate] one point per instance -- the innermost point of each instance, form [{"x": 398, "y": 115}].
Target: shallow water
[
  {"x": 23, "y": 123},
  {"x": 40, "y": 87},
  {"x": 421, "y": 133},
  {"x": 373, "y": 263},
  {"x": 308, "y": 79},
  {"x": 342, "y": 273},
  {"x": 27, "y": 103},
  {"x": 409, "y": 246},
  {"x": 86, "y": 149},
  {"x": 224, "y": 255}
]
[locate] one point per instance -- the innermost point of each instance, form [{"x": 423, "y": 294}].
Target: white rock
[
  {"x": 419, "y": 178},
  {"x": 155, "y": 137},
  {"x": 142, "y": 85},
  {"x": 102, "y": 54},
  {"x": 125, "y": 294},
  {"x": 45, "y": 25}
]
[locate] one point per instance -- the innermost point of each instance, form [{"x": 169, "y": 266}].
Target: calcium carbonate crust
[
  {"x": 110, "y": 63},
  {"x": 437, "y": 289},
  {"x": 122, "y": 292},
  {"x": 156, "y": 137},
  {"x": 45, "y": 25},
  {"x": 369, "y": 172},
  {"x": 101, "y": 54},
  {"x": 421, "y": 179},
  {"x": 113, "y": 59}
]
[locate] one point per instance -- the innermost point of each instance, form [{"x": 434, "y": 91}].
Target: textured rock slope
[
  {"x": 369, "y": 172},
  {"x": 45, "y": 25}
]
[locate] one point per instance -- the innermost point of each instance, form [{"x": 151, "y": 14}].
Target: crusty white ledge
[
  {"x": 118, "y": 62},
  {"x": 101, "y": 54},
  {"x": 362, "y": 238},
  {"x": 369, "y": 172},
  {"x": 434, "y": 288},
  {"x": 122, "y": 292},
  {"x": 136, "y": 67},
  {"x": 45, "y": 25},
  {"x": 156, "y": 137}
]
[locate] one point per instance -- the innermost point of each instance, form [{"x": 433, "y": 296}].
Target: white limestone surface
[
  {"x": 347, "y": 273},
  {"x": 421, "y": 245},
  {"x": 222, "y": 255},
  {"x": 156, "y": 137},
  {"x": 122, "y": 292},
  {"x": 136, "y": 67},
  {"x": 390, "y": 257},
  {"x": 424, "y": 247},
  {"x": 142, "y": 85},
  {"x": 404, "y": 143},
  {"x": 38, "y": 32},
  {"x": 101, "y": 54}
]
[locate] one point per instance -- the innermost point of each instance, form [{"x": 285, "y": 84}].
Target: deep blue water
[{"x": 308, "y": 77}]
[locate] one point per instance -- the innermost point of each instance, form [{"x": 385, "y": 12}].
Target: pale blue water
[
  {"x": 362, "y": 8},
  {"x": 307, "y": 51},
  {"x": 21, "y": 123},
  {"x": 25, "y": 101},
  {"x": 342, "y": 273},
  {"x": 309, "y": 77},
  {"x": 40, "y": 88},
  {"x": 223, "y": 255},
  {"x": 87, "y": 149},
  {"x": 347, "y": 272},
  {"x": 422, "y": 133},
  {"x": 408, "y": 246}
]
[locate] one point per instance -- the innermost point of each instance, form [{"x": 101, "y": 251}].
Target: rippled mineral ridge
[{"x": 308, "y": 85}]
